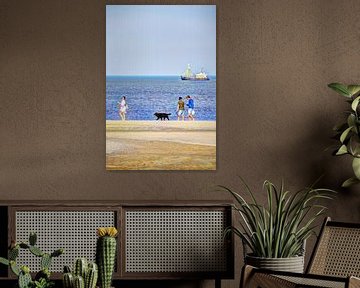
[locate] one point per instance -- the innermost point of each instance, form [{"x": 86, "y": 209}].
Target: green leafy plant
[
  {"x": 348, "y": 132},
  {"x": 42, "y": 278},
  {"x": 43, "y": 283},
  {"x": 279, "y": 229}
]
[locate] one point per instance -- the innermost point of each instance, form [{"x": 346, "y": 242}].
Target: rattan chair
[{"x": 334, "y": 263}]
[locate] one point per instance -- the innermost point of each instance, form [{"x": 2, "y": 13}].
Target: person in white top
[{"x": 122, "y": 108}]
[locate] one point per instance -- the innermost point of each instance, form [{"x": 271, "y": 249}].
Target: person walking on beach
[
  {"x": 123, "y": 108},
  {"x": 180, "y": 109},
  {"x": 191, "y": 106}
]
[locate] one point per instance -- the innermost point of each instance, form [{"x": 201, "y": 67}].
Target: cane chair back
[
  {"x": 337, "y": 252},
  {"x": 335, "y": 262}
]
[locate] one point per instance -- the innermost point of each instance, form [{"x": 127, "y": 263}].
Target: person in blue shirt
[{"x": 191, "y": 106}]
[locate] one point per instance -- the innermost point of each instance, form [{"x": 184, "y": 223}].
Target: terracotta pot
[{"x": 291, "y": 264}]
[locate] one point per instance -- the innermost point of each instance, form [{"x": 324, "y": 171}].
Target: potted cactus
[
  {"x": 42, "y": 278},
  {"x": 106, "y": 254},
  {"x": 85, "y": 275}
]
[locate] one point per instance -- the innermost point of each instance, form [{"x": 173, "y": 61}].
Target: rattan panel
[
  {"x": 338, "y": 253},
  {"x": 75, "y": 231},
  {"x": 313, "y": 282},
  {"x": 175, "y": 241}
]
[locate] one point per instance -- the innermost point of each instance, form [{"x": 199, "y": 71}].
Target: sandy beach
[{"x": 160, "y": 145}]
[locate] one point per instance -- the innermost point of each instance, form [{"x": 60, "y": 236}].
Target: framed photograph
[{"x": 161, "y": 87}]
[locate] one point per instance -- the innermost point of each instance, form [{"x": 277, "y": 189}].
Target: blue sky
[{"x": 160, "y": 39}]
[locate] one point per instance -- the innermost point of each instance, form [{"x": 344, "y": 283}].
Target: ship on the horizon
[{"x": 188, "y": 75}]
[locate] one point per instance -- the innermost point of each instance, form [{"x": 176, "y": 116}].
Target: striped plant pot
[{"x": 291, "y": 264}]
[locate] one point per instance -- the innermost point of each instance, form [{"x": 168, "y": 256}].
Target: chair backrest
[{"x": 337, "y": 251}]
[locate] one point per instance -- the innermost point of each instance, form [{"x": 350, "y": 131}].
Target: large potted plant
[
  {"x": 348, "y": 133},
  {"x": 275, "y": 233}
]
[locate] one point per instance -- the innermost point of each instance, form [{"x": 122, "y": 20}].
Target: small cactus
[
  {"x": 80, "y": 268},
  {"x": 42, "y": 278},
  {"x": 24, "y": 278},
  {"x": 91, "y": 276},
  {"x": 106, "y": 254},
  {"x": 79, "y": 282},
  {"x": 89, "y": 272},
  {"x": 68, "y": 280}
]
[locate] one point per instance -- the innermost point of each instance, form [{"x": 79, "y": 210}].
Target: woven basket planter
[{"x": 291, "y": 264}]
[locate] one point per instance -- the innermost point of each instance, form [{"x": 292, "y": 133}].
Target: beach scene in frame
[{"x": 160, "y": 87}]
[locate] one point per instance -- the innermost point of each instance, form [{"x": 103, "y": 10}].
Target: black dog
[{"x": 162, "y": 116}]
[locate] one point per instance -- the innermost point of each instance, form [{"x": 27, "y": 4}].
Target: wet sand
[{"x": 160, "y": 145}]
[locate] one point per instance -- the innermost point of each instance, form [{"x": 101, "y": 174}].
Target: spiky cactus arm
[
  {"x": 68, "y": 280},
  {"x": 45, "y": 261},
  {"x": 4, "y": 261},
  {"x": 80, "y": 268},
  {"x": 14, "y": 268},
  {"x": 36, "y": 251},
  {"x": 79, "y": 282},
  {"x": 91, "y": 276},
  {"x": 105, "y": 257},
  {"x": 32, "y": 238},
  {"x": 13, "y": 253},
  {"x": 57, "y": 253},
  {"x": 24, "y": 280},
  {"x": 67, "y": 269}
]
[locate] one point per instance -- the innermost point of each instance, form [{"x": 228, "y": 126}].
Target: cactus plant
[
  {"x": 68, "y": 280},
  {"x": 80, "y": 268},
  {"x": 84, "y": 274},
  {"x": 42, "y": 278},
  {"x": 45, "y": 261},
  {"x": 32, "y": 238},
  {"x": 91, "y": 276},
  {"x": 24, "y": 280},
  {"x": 106, "y": 254},
  {"x": 79, "y": 282}
]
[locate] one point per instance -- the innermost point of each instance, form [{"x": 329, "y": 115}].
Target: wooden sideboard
[{"x": 157, "y": 240}]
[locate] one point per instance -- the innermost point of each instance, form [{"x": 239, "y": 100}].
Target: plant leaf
[
  {"x": 351, "y": 120},
  {"x": 342, "y": 150},
  {"x": 355, "y": 103},
  {"x": 354, "y": 144},
  {"x": 356, "y": 167},
  {"x": 349, "y": 182},
  {"x": 4, "y": 261},
  {"x": 345, "y": 134},
  {"x": 279, "y": 228},
  {"x": 353, "y": 89},
  {"x": 340, "y": 88}
]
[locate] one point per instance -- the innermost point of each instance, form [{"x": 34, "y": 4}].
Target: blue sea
[{"x": 146, "y": 95}]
